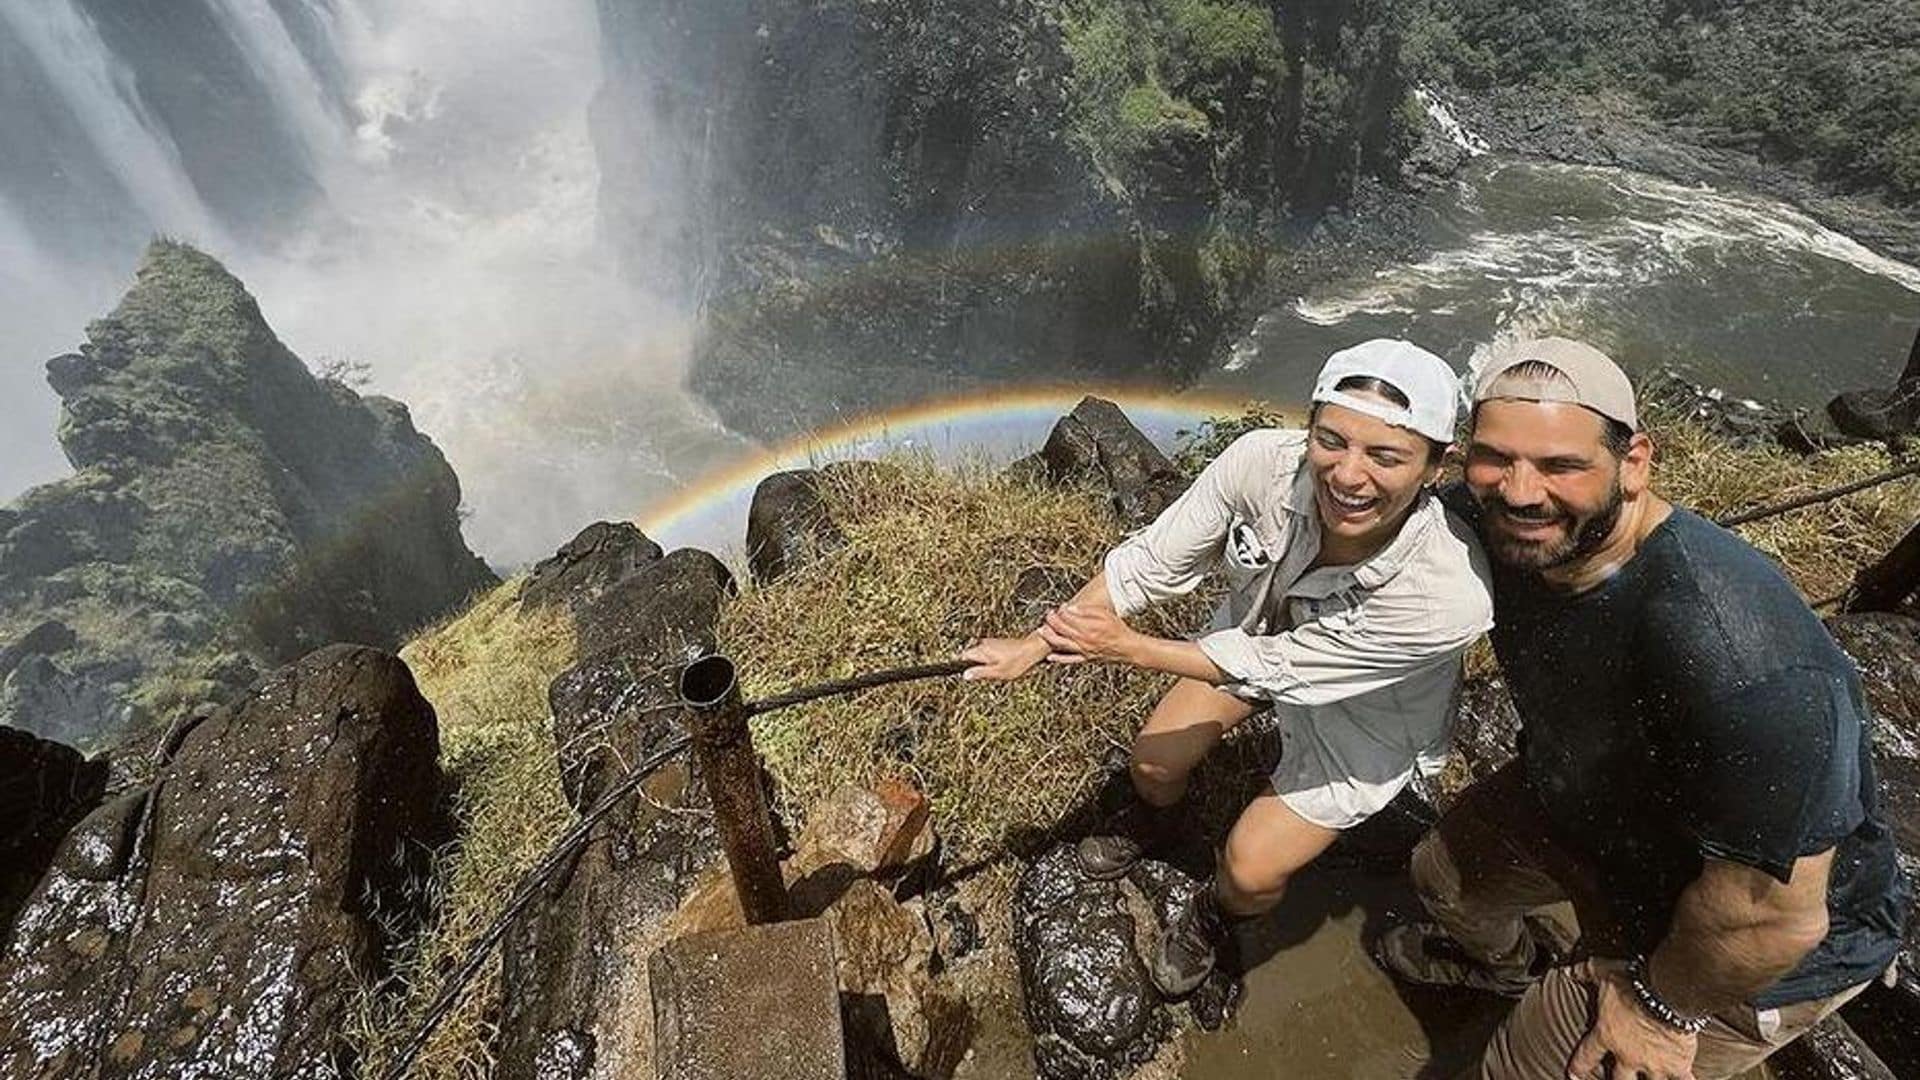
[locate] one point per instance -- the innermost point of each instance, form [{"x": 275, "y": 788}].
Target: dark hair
[{"x": 1367, "y": 384}]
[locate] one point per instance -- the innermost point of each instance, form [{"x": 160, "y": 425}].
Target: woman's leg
[
  {"x": 1188, "y": 722},
  {"x": 1268, "y": 845}
]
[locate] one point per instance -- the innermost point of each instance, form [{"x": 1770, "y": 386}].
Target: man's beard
[{"x": 1584, "y": 537}]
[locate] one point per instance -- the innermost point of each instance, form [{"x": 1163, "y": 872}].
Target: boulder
[
  {"x": 664, "y": 613},
  {"x": 787, "y": 522},
  {"x": 601, "y": 556},
  {"x": 1092, "y": 1009},
  {"x": 1096, "y": 444},
  {"x": 577, "y": 1001},
  {"x": 45, "y": 787},
  {"x": 616, "y": 701},
  {"x": 224, "y": 920},
  {"x": 1883, "y": 415}
]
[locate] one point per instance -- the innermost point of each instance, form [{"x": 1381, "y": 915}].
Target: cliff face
[
  {"x": 227, "y": 510},
  {"x": 879, "y": 200}
]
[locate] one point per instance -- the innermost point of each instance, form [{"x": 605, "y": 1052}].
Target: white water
[
  {"x": 68, "y": 49},
  {"x": 1449, "y": 124},
  {"x": 454, "y": 256}
]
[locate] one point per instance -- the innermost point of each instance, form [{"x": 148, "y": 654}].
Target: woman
[{"x": 1353, "y": 596}]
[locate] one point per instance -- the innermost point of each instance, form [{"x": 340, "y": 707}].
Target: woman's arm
[
  {"x": 1001, "y": 659},
  {"x": 1075, "y": 633}
]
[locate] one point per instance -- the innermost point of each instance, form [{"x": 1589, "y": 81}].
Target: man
[
  {"x": 1352, "y": 596},
  {"x": 1695, "y": 772}
]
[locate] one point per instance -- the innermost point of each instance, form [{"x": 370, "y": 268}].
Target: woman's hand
[
  {"x": 1002, "y": 659},
  {"x": 1080, "y": 632}
]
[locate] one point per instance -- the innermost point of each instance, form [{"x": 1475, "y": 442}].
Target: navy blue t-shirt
[{"x": 1692, "y": 706}]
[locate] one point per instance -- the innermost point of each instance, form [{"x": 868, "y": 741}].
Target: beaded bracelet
[{"x": 1656, "y": 1007}]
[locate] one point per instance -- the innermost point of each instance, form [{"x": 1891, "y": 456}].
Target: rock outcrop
[
  {"x": 886, "y": 200},
  {"x": 577, "y": 1002},
  {"x": 787, "y": 521},
  {"x": 44, "y": 788},
  {"x": 229, "y": 512},
  {"x": 1097, "y": 445},
  {"x": 222, "y": 921}
]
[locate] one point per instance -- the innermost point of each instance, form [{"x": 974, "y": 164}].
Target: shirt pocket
[{"x": 1244, "y": 557}]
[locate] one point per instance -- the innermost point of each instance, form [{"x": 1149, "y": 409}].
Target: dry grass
[
  {"x": 486, "y": 673},
  {"x": 931, "y": 563},
  {"x": 1819, "y": 547}
]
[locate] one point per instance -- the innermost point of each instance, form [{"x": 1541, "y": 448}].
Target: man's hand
[
  {"x": 1000, "y": 659},
  {"x": 1080, "y": 632},
  {"x": 1638, "y": 1044}
]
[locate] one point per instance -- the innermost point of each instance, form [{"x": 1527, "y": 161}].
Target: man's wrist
[{"x": 1640, "y": 981}]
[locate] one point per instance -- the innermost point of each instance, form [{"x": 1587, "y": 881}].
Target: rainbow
[{"x": 966, "y": 423}]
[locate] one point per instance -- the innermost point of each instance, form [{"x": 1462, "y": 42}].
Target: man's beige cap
[{"x": 1593, "y": 380}]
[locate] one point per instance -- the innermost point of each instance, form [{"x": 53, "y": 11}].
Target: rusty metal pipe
[{"x": 723, "y": 747}]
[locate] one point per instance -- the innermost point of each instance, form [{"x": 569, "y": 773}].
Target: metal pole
[{"x": 723, "y": 747}]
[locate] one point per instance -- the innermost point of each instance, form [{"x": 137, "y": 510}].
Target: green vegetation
[{"x": 1835, "y": 83}]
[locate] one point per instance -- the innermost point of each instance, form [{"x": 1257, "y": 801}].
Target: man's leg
[
  {"x": 1539, "y": 1037},
  {"x": 1187, "y": 723},
  {"x": 1480, "y": 871}
]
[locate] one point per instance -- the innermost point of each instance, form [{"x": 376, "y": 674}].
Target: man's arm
[{"x": 1736, "y": 931}]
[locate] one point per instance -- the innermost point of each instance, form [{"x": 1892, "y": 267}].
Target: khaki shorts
[{"x": 1337, "y": 775}]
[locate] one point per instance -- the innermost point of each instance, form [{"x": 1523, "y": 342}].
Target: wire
[
  {"x": 564, "y": 848},
  {"x": 1827, "y": 495}
]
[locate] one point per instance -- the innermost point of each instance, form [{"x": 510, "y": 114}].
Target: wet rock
[
  {"x": 1886, "y": 649},
  {"x": 1093, "y": 1011},
  {"x": 1882, "y": 415},
  {"x": 788, "y": 522},
  {"x": 1485, "y": 727},
  {"x": 601, "y": 556},
  {"x": 576, "y": 963},
  {"x": 45, "y": 787},
  {"x": 615, "y": 702},
  {"x": 1829, "y": 1051},
  {"x": 668, "y": 609},
  {"x": 223, "y": 921},
  {"x": 1097, "y": 444},
  {"x": 757, "y": 1003},
  {"x": 897, "y": 1012}
]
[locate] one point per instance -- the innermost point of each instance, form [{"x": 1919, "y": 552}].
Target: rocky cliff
[
  {"x": 876, "y": 200},
  {"x": 228, "y": 511}
]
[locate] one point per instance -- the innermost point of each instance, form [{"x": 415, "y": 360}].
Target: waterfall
[
  {"x": 97, "y": 89},
  {"x": 296, "y": 89}
]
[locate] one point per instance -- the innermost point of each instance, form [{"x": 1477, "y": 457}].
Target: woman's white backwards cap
[{"x": 1430, "y": 386}]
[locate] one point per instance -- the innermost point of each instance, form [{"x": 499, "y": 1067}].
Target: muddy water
[{"x": 1316, "y": 1007}]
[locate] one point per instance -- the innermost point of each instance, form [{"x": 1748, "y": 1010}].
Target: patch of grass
[
  {"x": 486, "y": 673},
  {"x": 1819, "y": 547},
  {"x": 931, "y": 562}
]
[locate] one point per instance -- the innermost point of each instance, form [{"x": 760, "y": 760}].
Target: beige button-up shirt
[{"x": 1377, "y": 644}]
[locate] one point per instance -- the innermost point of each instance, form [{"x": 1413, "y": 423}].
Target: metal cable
[{"x": 1827, "y": 495}]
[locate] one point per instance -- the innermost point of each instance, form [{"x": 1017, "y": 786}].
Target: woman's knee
[{"x": 1251, "y": 883}]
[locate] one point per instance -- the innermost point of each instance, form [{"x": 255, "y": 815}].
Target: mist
[{"x": 449, "y": 255}]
